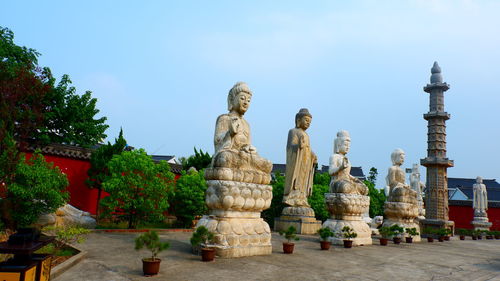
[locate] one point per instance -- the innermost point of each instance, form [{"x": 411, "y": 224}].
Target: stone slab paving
[{"x": 111, "y": 257}]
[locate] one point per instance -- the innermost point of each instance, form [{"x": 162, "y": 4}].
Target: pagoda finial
[{"x": 436, "y": 76}]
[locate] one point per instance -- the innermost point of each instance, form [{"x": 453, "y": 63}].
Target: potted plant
[
  {"x": 348, "y": 233},
  {"x": 479, "y": 234},
  {"x": 386, "y": 234},
  {"x": 489, "y": 235},
  {"x": 462, "y": 232},
  {"x": 324, "y": 234},
  {"x": 441, "y": 233},
  {"x": 475, "y": 233},
  {"x": 201, "y": 238},
  {"x": 290, "y": 235},
  {"x": 496, "y": 233},
  {"x": 150, "y": 240},
  {"x": 411, "y": 232},
  {"x": 397, "y": 231},
  {"x": 429, "y": 231}
]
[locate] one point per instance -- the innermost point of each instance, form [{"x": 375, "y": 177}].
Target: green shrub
[
  {"x": 37, "y": 188},
  {"x": 325, "y": 233},
  {"x": 290, "y": 234},
  {"x": 66, "y": 236},
  {"x": 348, "y": 233},
  {"x": 151, "y": 241},
  {"x": 202, "y": 236},
  {"x": 188, "y": 200},
  {"x": 139, "y": 189},
  {"x": 386, "y": 232},
  {"x": 412, "y": 231},
  {"x": 277, "y": 205},
  {"x": 397, "y": 230}
]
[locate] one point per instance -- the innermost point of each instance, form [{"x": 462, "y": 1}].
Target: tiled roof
[
  {"x": 162, "y": 157},
  {"x": 64, "y": 150},
  {"x": 465, "y": 185}
]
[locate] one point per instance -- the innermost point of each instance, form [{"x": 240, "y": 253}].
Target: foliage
[
  {"x": 33, "y": 108},
  {"x": 377, "y": 196},
  {"x": 463, "y": 231},
  {"x": 348, "y": 233},
  {"x": 37, "y": 188},
  {"x": 441, "y": 232},
  {"x": 412, "y": 231},
  {"x": 386, "y": 232},
  {"x": 188, "y": 200},
  {"x": 202, "y": 236},
  {"x": 151, "y": 241},
  {"x": 397, "y": 230},
  {"x": 139, "y": 189},
  {"x": 317, "y": 199},
  {"x": 99, "y": 160},
  {"x": 66, "y": 235},
  {"x": 277, "y": 202},
  {"x": 200, "y": 160},
  {"x": 290, "y": 234},
  {"x": 325, "y": 233},
  {"x": 429, "y": 230}
]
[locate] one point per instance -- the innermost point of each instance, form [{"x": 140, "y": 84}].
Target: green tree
[
  {"x": 99, "y": 160},
  {"x": 200, "y": 160},
  {"x": 188, "y": 200},
  {"x": 277, "y": 205},
  {"x": 38, "y": 187},
  {"x": 377, "y": 197},
  {"x": 139, "y": 189}
]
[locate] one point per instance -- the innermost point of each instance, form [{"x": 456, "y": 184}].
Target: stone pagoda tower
[{"x": 436, "y": 201}]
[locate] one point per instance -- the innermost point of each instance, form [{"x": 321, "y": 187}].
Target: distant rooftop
[{"x": 460, "y": 187}]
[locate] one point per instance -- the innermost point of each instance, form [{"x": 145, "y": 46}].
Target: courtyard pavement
[{"x": 111, "y": 257}]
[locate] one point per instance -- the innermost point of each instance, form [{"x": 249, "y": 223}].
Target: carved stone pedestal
[
  {"x": 347, "y": 210},
  {"x": 480, "y": 221},
  {"x": 235, "y": 220},
  {"x": 402, "y": 214},
  {"x": 302, "y": 218}
]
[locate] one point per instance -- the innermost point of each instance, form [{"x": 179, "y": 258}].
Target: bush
[
  {"x": 66, "y": 235},
  {"x": 277, "y": 202},
  {"x": 412, "y": 231},
  {"x": 290, "y": 233},
  {"x": 188, "y": 200},
  {"x": 397, "y": 230},
  {"x": 139, "y": 189},
  {"x": 348, "y": 233},
  {"x": 201, "y": 236},
  {"x": 151, "y": 241},
  {"x": 386, "y": 232},
  {"x": 37, "y": 188},
  {"x": 317, "y": 199},
  {"x": 325, "y": 233}
]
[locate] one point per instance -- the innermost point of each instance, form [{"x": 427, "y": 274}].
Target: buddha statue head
[
  {"x": 398, "y": 157},
  {"x": 303, "y": 119},
  {"x": 342, "y": 142},
  {"x": 238, "y": 98},
  {"x": 479, "y": 180}
]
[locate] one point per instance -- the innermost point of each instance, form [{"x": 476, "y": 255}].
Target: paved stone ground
[{"x": 111, "y": 257}]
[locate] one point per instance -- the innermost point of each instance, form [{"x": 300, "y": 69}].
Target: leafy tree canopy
[
  {"x": 139, "y": 189},
  {"x": 200, "y": 160},
  {"x": 377, "y": 196},
  {"x": 38, "y": 188},
  {"x": 188, "y": 200}
]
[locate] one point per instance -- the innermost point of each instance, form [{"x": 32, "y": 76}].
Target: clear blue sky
[{"x": 162, "y": 70}]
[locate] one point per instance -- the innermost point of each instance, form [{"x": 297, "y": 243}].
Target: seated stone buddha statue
[
  {"x": 399, "y": 191},
  {"x": 235, "y": 158}
]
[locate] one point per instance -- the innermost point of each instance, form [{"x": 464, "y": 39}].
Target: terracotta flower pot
[
  {"x": 480, "y": 237},
  {"x": 474, "y": 237},
  {"x": 430, "y": 239},
  {"x": 462, "y": 237},
  {"x": 150, "y": 267},
  {"x": 447, "y": 238},
  {"x": 347, "y": 243},
  {"x": 497, "y": 236},
  {"x": 383, "y": 241},
  {"x": 207, "y": 254},
  {"x": 325, "y": 245},
  {"x": 288, "y": 248},
  {"x": 441, "y": 239},
  {"x": 489, "y": 237},
  {"x": 396, "y": 240},
  {"x": 409, "y": 239}
]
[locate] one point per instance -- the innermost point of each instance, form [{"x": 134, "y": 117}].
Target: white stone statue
[
  {"x": 340, "y": 168},
  {"x": 375, "y": 223},
  {"x": 347, "y": 201},
  {"x": 238, "y": 187},
  {"x": 300, "y": 162},
  {"x": 418, "y": 186},
  {"x": 235, "y": 158},
  {"x": 401, "y": 206},
  {"x": 480, "y": 203}
]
